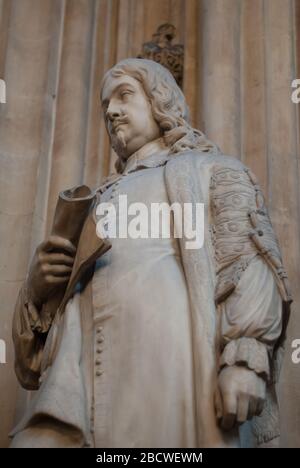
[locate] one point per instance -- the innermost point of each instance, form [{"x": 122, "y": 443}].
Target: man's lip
[{"x": 115, "y": 127}]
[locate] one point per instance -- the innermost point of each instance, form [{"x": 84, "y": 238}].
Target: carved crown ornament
[{"x": 161, "y": 50}]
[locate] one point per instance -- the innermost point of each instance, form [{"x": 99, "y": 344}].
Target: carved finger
[
  {"x": 58, "y": 259},
  {"x": 58, "y": 270},
  {"x": 229, "y": 411},
  {"x": 57, "y": 279},
  {"x": 252, "y": 411},
  {"x": 218, "y": 404},
  {"x": 228, "y": 421},
  {"x": 57, "y": 242},
  {"x": 243, "y": 407},
  {"x": 260, "y": 406}
]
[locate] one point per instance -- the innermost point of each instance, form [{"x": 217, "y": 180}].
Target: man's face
[{"x": 128, "y": 113}]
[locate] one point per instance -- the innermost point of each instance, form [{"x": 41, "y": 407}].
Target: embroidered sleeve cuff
[{"x": 247, "y": 352}]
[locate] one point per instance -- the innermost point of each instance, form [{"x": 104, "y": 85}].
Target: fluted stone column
[
  {"x": 283, "y": 175},
  {"x": 25, "y": 72},
  {"x": 221, "y": 73}
]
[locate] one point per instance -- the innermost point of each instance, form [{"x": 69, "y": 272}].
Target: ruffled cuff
[
  {"x": 247, "y": 352},
  {"x": 39, "y": 321}
]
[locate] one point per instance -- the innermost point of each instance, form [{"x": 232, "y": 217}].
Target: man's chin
[{"x": 118, "y": 142}]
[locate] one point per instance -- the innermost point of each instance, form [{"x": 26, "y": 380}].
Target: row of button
[
  {"x": 99, "y": 371},
  {"x": 99, "y": 349}
]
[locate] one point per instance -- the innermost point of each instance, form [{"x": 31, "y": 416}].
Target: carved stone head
[{"x": 142, "y": 101}]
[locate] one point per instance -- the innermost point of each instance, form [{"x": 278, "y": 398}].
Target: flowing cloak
[{"x": 237, "y": 230}]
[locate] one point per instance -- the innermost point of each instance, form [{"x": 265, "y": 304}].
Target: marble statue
[{"x": 141, "y": 342}]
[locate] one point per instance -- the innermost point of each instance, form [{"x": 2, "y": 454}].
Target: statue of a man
[{"x": 155, "y": 344}]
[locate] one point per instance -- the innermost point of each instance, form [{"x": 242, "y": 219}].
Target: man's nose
[{"x": 112, "y": 112}]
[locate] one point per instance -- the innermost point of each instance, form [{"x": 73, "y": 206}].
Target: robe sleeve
[
  {"x": 30, "y": 325},
  {"x": 252, "y": 290},
  {"x": 30, "y": 329},
  {"x": 251, "y": 320}
]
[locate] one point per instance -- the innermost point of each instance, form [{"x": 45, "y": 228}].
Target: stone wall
[{"x": 240, "y": 60}]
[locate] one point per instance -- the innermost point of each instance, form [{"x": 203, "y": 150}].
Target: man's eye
[{"x": 125, "y": 93}]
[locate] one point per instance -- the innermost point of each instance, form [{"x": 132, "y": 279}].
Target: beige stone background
[{"x": 240, "y": 59}]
